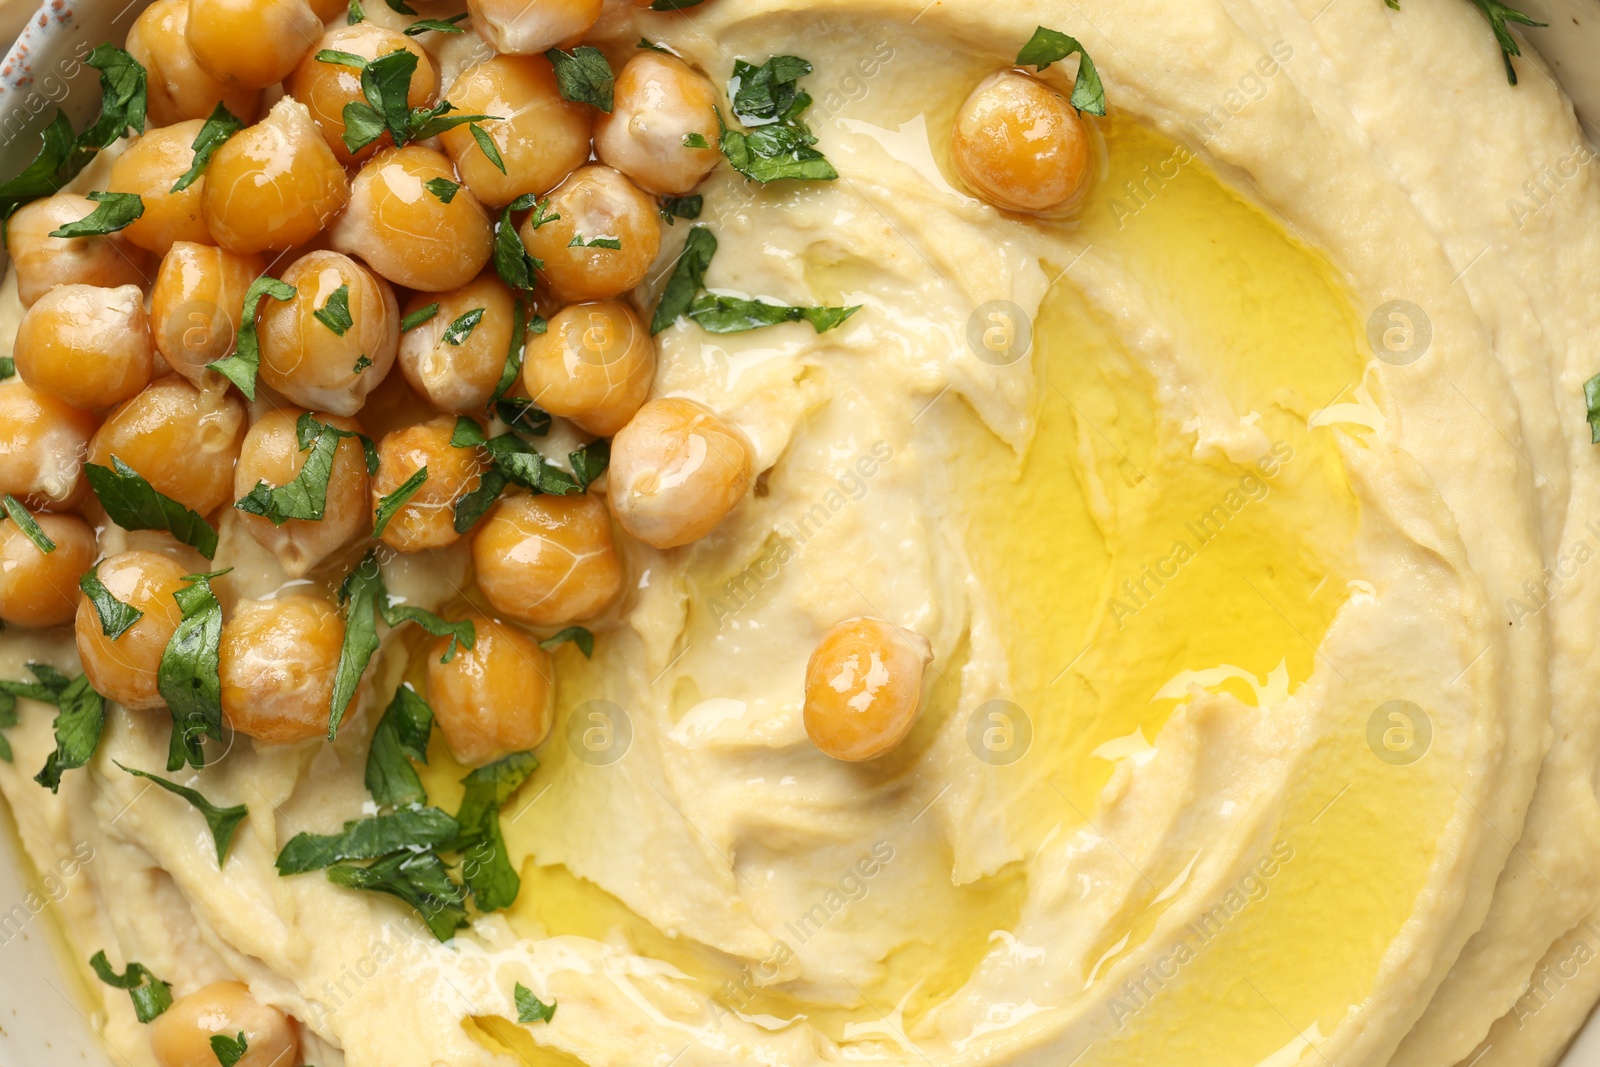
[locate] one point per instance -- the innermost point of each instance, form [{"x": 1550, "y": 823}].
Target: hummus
[{"x": 1251, "y": 514}]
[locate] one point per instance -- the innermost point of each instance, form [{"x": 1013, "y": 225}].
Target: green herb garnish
[
  {"x": 115, "y": 616},
  {"x": 584, "y": 76},
  {"x": 578, "y": 635},
  {"x": 28, "y": 524},
  {"x": 486, "y": 867},
  {"x": 443, "y": 188},
  {"x": 530, "y": 1009},
  {"x": 335, "y": 314},
  {"x": 369, "y": 838},
  {"x": 134, "y": 504},
  {"x": 241, "y": 367},
  {"x": 222, "y": 821},
  {"x": 151, "y": 996},
  {"x": 459, "y": 330},
  {"x": 418, "y": 317},
  {"x": 400, "y": 737},
  {"x": 80, "y": 717},
  {"x": 390, "y": 503},
  {"x": 113, "y": 212},
  {"x": 217, "y": 129},
  {"x": 688, "y": 278},
  {"x": 188, "y": 677}
]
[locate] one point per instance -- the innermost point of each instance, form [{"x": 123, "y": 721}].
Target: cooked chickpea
[
  {"x": 41, "y": 588},
  {"x": 864, "y": 688},
  {"x": 125, "y": 669},
  {"x": 542, "y": 137},
  {"x": 302, "y": 358},
  {"x": 42, "y": 262},
  {"x": 1019, "y": 144},
  {"x": 548, "y": 560},
  {"x": 530, "y": 26},
  {"x": 275, "y": 184},
  {"x": 42, "y": 445},
  {"x": 181, "y": 1035},
  {"x": 196, "y": 304},
  {"x": 87, "y": 346},
  {"x": 277, "y": 660},
  {"x": 182, "y": 440},
  {"x": 595, "y": 202},
  {"x": 176, "y": 87},
  {"x": 271, "y": 453},
  {"x": 459, "y": 378},
  {"x": 150, "y": 167},
  {"x": 251, "y": 43},
  {"x": 676, "y": 472},
  {"x": 659, "y": 101},
  {"x": 428, "y": 519},
  {"x": 494, "y": 699},
  {"x": 405, "y": 231},
  {"x": 593, "y": 365},
  {"x": 325, "y": 88}
]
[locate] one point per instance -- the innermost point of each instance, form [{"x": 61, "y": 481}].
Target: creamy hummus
[{"x": 1251, "y": 514}]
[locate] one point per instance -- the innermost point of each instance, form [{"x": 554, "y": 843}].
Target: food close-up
[{"x": 765, "y": 533}]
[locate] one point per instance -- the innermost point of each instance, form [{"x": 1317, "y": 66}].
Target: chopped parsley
[
  {"x": 359, "y": 592},
  {"x": 530, "y": 1009},
  {"x": 681, "y": 207},
  {"x": 134, "y": 504},
  {"x": 1498, "y": 15},
  {"x": 229, "y": 1050},
  {"x": 222, "y": 821},
  {"x": 8, "y": 368},
  {"x": 369, "y": 838},
  {"x": 459, "y": 330},
  {"x": 576, "y": 634},
  {"x": 385, "y": 84},
  {"x": 240, "y": 368},
  {"x": 487, "y": 145},
  {"x": 28, "y": 524},
  {"x": 578, "y": 241},
  {"x": 80, "y": 717},
  {"x": 590, "y": 461},
  {"x": 151, "y": 996},
  {"x": 361, "y": 364},
  {"x": 356, "y": 14},
  {"x": 335, "y": 314},
  {"x": 422, "y": 26},
  {"x": 695, "y": 140},
  {"x": 418, "y": 317},
  {"x": 688, "y": 278},
  {"x": 390, "y": 503},
  {"x": 401, "y": 736},
  {"x": 1591, "y": 400},
  {"x": 115, "y": 616},
  {"x": 112, "y": 212},
  {"x": 1047, "y": 47},
  {"x": 306, "y": 496},
  {"x": 486, "y": 867},
  {"x": 418, "y": 878},
  {"x": 584, "y": 76},
  {"x": 217, "y": 129},
  {"x": 188, "y": 677},
  {"x": 716, "y": 313},
  {"x": 511, "y": 259},
  {"x": 647, "y": 43},
  {"x": 443, "y": 188},
  {"x": 768, "y": 100}
]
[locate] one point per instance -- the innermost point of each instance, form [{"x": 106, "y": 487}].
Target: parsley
[
  {"x": 305, "y": 497},
  {"x": 240, "y": 368},
  {"x": 134, "y": 504},
  {"x": 511, "y": 259},
  {"x": 361, "y": 364},
  {"x": 523, "y": 415},
  {"x": 8, "y": 368},
  {"x": 1047, "y": 47},
  {"x": 399, "y": 7},
  {"x": 369, "y": 838},
  {"x": 432, "y": 121},
  {"x": 79, "y": 720},
  {"x": 217, "y": 129},
  {"x": 590, "y": 461},
  {"x": 391, "y": 503},
  {"x": 645, "y": 42},
  {"x": 385, "y": 81},
  {"x": 8, "y": 719},
  {"x": 419, "y": 879},
  {"x": 188, "y": 677},
  {"x": 1498, "y": 15},
  {"x": 584, "y": 76},
  {"x": 115, "y": 616},
  {"x": 695, "y": 140},
  {"x": 335, "y": 314},
  {"x": 222, "y": 821},
  {"x": 229, "y": 1050},
  {"x": 356, "y": 14},
  {"x": 459, "y": 330},
  {"x": 443, "y": 188},
  {"x": 530, "y": 1009},
  {"x": 486, "y": 867},
  {"x": 674, "y": 5},
  {"x": 486, "y": 143},
  {"x": 769, "y": 99},
  {"x": 474, "y": 505},
  {"x": 688, "y": 278},
  {"x": 462, "y": 633},
  {"x": 576, "y": 634},
  {"x": 775, "y": 153},
  {"x": 524, "y": 466},
  {"x": 361, "y": 589},
  {"x": 29, "y": 526},
  {"x": 595, "y": 242},
  {"x": 400, "y": 737},
  {"x": 151, "y": 996},
  {"x": 418, "y": 317},
  {"x": 1591, "y": 400},
  {"x": 422, "y": 26},
  {"x": 681, "y": 207},
  {"x": 468, "y": 434},
  {"x": 113, "y": 212},
  {"x": 729, "y": 314}
]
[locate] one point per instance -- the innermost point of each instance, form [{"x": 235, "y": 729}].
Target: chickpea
[
  {"x": 150, "y": 167},
  {"x": 864, "y": 688},
  {"x": 659, "y": 101},
  {"x": 405, "y": 231},
  {"x": 548, "y": 560},
  {"x": 428, "y": 519},
  {"x": 271, "y": 453},
  {"x": 593, "y": 365},
  {"x": 542, "y": 136},
  {"x": 251, "y": 43},
  {"x": 595, "y": 202},
  {"x": 196, "y": 305},
  {"x": 676, "y": 472},
  {"x": 305, "y": 360},
  {"x": 325, "y": 88},
  {"x": 275, "y": 184},
  {"x": 1019, "y": 144},
  {"x": 176, "y": 87},
  {"x": 182, "y": 440},
  {"x": 42, "y": 262},
  {"x": 459, "y": 378},
  {"x": 277, "y": 660},
  {"x": 87, "y": 346},
  {"x": 530, "y": 26},
  {"x": 41, "y": 588},
  {"x": 495, "y": 698},
  {"x": 125, "y": 669},
  {"x": 42, "y": 445},
  {"x": 181, "y": 1035}
]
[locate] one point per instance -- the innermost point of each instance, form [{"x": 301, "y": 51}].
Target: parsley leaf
[
  {"x": 729, "y": 314},
  {"x": 418, "y": 317},
  {"x": 578, "y": 241},
  {"x": 1591, "y": 400},
  {"x": 356, "y": 14},
  {"x": 229, "y": 1050},
  {"x": 1047, "y": 47},
  {"x": 361, "y": 589},
  {"x": 688, "y": 278},
  {"x": 511, "y": 259},
  {"x": 113, "y": 212},
  {"x": 474, "y": 505},
  {"x": 775, "y": 153},
  {"x": 576, "y": 634},
  {"x": 115, "y": 616},
  {"x": 399, "y": 7},
  {"x": 222, "y": 821},
  {"x": 56, "y": 164},
  {"x": 81, "y": 717},
  {"x": 486, "y": 867},
  {"x": 188, "y": 677},
  {"x": 419, "y": 879},
  {"x": 390, "y": 503},
  {"x": 151, "y": 996},
  {"x": 645, "y": 42},
  {"x": 768, "y": 97},
  {"x": 134, "y": 504},
  {"x": 486, "y": 143},
  {"x": 400, "y": 737},
  {"x": 365, "y": 839},
  {"x": 521, "y": 464},
  {"x": 590, "y": 461},
  {"x": 584, "y": 76},
  {"x": 385, "y": 82},
  {"x": 523, "y": 415},
  {"x": 768, "y": 93},
  {"x": 674, "y": 5},
  {"x": 30, "y": 526},
  {"x": 8, "y": 368},
  {"x": 681, "y": 207},
  {"x": 432, "y": 121},
  {"x": 217, "y": 129},
  {"x": 462, "y": 633},
  {"x": 306, "y": 496},
  {"x": 335, "y": 314},
  {"x": 468, "y": 434},
  {"x": 361, "y": 364},
  {"x": 422, "y": 26},
  {"x": 1498, "y": 15},
  {"x": 443, "y": 188},
  {"x": 240, "y": 368},
  {"x": 530, "y": 1009},
  {"x": 459, "y": 330}
]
